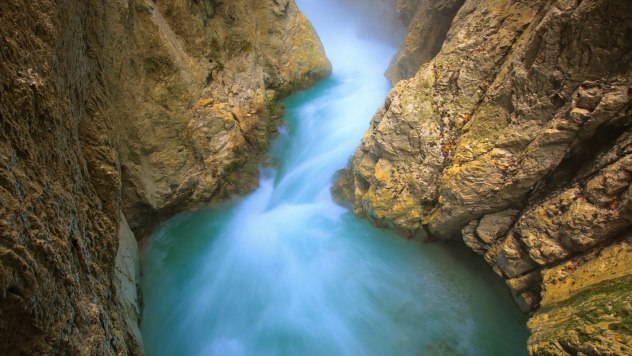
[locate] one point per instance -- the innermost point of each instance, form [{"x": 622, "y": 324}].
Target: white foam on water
[{"x": 285, "y": 271}]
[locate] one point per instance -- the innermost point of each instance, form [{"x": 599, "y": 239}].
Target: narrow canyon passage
[{"x": 285, "y": 271}]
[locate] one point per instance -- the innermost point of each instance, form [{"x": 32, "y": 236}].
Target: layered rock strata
[
  {"x": 116, "y": 114},
  {"x": 515, "y": 136}
]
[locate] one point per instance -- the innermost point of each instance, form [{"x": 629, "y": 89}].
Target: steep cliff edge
[
  {"x": 116, "y": 114},
  {"x": 428, "y": 24},
  {"x": 515, "y": 136},
  {"x": 211, "y": 74}
]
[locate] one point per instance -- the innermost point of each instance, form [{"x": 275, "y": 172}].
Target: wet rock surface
[
  {"x": 114, "y": 115},
  {"x": 515, "y": 138}
]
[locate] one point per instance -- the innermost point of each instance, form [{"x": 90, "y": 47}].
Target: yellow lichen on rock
[
  {"x": 507, "y": 119},
  {"x": 116, "y": 115},
  {"x": 306, "y": 61},
  {"x": 586, "y": 305},
  {"x": 205, "y": 102}
]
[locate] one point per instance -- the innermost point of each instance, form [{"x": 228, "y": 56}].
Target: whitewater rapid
[{"x": 285, "y": 271}]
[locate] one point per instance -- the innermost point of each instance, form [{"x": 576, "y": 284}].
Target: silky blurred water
[{"x": 285, "y": 271}]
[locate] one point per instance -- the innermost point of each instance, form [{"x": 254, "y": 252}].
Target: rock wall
[
  {"x": 428, "y": 24},
  {"x": 514, "y": 135},
  {"x": 116, "y": 114},
  {"x": 211, "y": 73}
]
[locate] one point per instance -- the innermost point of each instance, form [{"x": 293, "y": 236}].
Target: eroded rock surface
[
  {"x": 514, "y": 137},
  {"x": 212, "y": 72},
  {"x": 114, "y": 115},
  {"x": 428, "y": 24},
  {"x": 586, "y": 305}
]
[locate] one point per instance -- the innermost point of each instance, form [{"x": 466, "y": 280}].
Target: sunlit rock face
[
  {"x": 284, "y": 271},
  {"x": 515, "y": 137},
  {"x": 115, "y": 114},
  {"x": 212, "y": 72}
]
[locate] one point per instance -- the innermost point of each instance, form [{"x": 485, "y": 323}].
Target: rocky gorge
[
  {"x": 509, "y": 128},
  {"x": 115, "y": 115}
]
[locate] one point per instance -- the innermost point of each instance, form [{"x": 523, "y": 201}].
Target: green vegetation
[{"x": 601, "y": 310}]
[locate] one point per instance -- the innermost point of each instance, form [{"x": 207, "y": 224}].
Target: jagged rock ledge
[
  {"x": 116, "y": 115},
  {"x": 512, "y": 130}
]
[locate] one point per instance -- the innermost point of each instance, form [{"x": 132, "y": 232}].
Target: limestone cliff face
[
  {"x": 515, "y": 136},
  {"x": 114, "y": 115},
  {"x": 428, "y": 24},
  {"x": 209, "y": 75}
]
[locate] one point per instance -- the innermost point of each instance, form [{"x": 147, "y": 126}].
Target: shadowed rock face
[
  {"x": 428, "y": 24},
  {"x": 516, "y": 138},
  {"x": 115, "y": 114}
]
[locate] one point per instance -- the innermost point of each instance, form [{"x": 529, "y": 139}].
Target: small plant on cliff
[{"x": 269, "y": 118}]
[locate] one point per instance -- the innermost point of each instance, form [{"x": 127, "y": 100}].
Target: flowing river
[{"x": 285, "y": 271}]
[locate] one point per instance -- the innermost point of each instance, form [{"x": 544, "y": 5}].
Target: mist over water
[
  {"x": 371, "y": 20},
  {"x": 285, "y": 271}
]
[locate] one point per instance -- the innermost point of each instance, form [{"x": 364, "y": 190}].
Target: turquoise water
[{"x": 285, "y": 271}]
